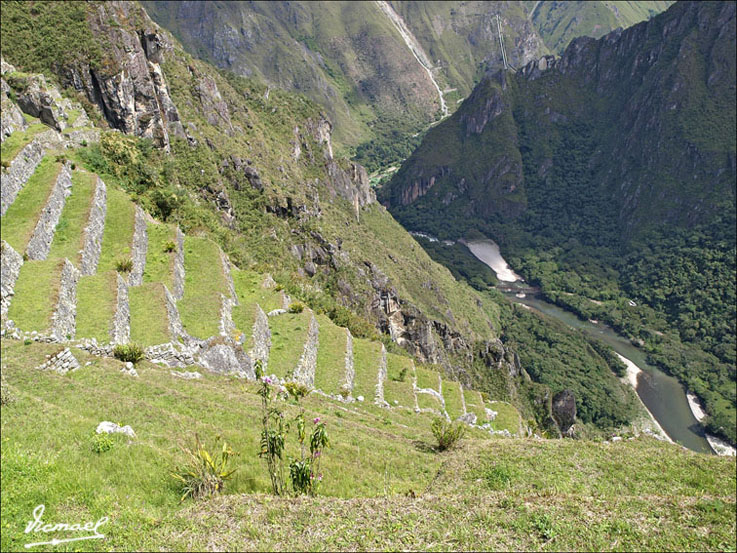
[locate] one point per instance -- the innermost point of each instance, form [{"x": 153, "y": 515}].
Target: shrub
[
  {"x": 124, "y": 265},
  {"x": 296, "y": 307},
  {"x": 170, "y": 246},
  {"x": 203, "y": 474},
  {"x": 102, "y": 443},
  {"x": 128, "y": 352},
  {"x": 402, "y": 375},
  {"x": 447, "y": 433}
]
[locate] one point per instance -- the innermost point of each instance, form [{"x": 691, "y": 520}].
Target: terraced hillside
[{"x": 84, "y": 265}]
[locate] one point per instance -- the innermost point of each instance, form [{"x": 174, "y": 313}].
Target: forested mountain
[{"x": 607, "y": 172}]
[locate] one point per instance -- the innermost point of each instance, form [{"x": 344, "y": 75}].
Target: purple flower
[
  {"x": 316, "y": 420},
  {"x": 266, "y": 380},
  {"x": 316, "y": 453},
  {"x": 319, "y": 477}
]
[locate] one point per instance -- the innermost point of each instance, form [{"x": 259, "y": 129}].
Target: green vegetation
[
  {"x": 475, "y": 404},
  {"x": 288, "y": 335},
  {"x": 447, "y": 433},
  {"x": 203, "y": 474},
  {"x": 204, "y": 281},
  {"x": 330, "y": 371},
  {"x": 117, "y": 238},
  {"x": 36, "y": 294},
  {"x": 400, "y": 376},
  {"x": 13, "y": 144},
  {"x": 128, "y": 353},
  {"x": 507, "y": 417},
  {"x": 30, "y": 35},
  {"x": 366, "y": 359},
  {"x": 20, "y": 219},
  {"x": 452, "y": 395},
  {"x": 160, "y": 259},
  {"x": 69, "y": 234},
  {"x": 97, "y": 300},
  {"x": 462, "y": 264},
  {"x": 149, "y": 317}
]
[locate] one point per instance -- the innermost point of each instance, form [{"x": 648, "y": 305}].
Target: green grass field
[
  {"x": 249, "y": 290},
  {"x": 36, "y": 294},
  {"x": 426, "y": 378},
  {"x": 69, "y": 235},
  {"x": 453, "y": 400},
  {"x": 330, "y": 372},
  {"x": 21, "y": 217},
  {"x": 203, "y": 284},
  {"x": 399, "y": 392},
  {"x": 507, "y": 417},
  {"x": 366, "y": 359},
  {"x": 475, "y": 404},
  {"x": 159, "y": 262},
  {"x": 149, "y": 318},
  {"x": 288, "y": 335},
  {"x": 97, "y": 299},
  {"x": 13, "y": 144},
  {"x": 384, "y": 486},
  {"x": 117, "y": 238}
]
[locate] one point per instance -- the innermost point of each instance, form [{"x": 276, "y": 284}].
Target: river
[{"x": 662, "y": 394}]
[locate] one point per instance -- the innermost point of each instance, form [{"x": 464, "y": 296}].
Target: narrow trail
[{"x": 414, "y": 47}]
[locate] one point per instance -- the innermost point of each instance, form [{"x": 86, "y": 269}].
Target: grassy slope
[
  {"x": 36, "y": 294},
  {"x": 97, "y": 298},
  {"x": 366, "y": 359},
  {"x": 203, "y": 284},
  {"x": 19, "y": 139},
  {"x": 21, "y": 217},
  {"x": 149, "y": 318},
  {"x": 160, "y": 263},
  {"x": 117, "y": 238},
  {"x": 501, "y": 493},
  {"x": 288, "y": 335},
  {"x": 69, "y": 234},
  {"x": 398, "y": 391},
  {"x": 330, "y": 371}
]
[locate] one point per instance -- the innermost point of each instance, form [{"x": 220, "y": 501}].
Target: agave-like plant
[{"x": 203, "y": 474}]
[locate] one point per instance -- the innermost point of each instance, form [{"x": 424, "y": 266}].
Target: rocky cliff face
[
  {"x": 129, "y": 88},
  {"x": 643, "y": 114}
]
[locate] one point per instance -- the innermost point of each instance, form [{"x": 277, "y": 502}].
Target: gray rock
[
  {"x": 276, "y": 312},
  {"x": 12, "y": 119},
  {"x": 107, "y": 427},
  {"x": 10, "y": 264},
  {"x": 40, "y": 99},
  {"x": 62, "y": 362},
  {"x": 40, "y": 242},
  {"x": 94, "y": 230},
  {"x": 350, "y": 373},
  {"x": 564, "y": 409},
  {"x": 140, "y": 246},
  {"x": 64, "y": 318},
  {"x": 21, "y": 168},
  {"x": 261, "y": 339},
  {"x": 121, "y": 330},
  {"x": 194, "y": 375},
  {"x": 304, "y": 372},
  {"x": 179, "y": 274}
]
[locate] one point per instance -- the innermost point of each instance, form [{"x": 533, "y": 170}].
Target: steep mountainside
[
  {"x": 560, "y": 22},
  {"x": 369, "y": 64},
  {"x": 595, "y": 168}
]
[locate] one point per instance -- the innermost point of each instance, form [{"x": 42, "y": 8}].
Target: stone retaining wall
[
  {"x": 228, "y": 277},
  {"x": 261, "y": 339},
  {"x": 43, "y": 234},
  {"x": 379, "y": 397},
  {"x": 21, "y": 168},
  {"x": 227, "y": 327},
  {"x": 10, "y": 264},
  {"x": 178, "y": 291},
  {"x": 62, "y": 362},
  {"x": 94, "y": 229},
  {"x": 140, "y": 246},
  {"x": 304, "y": 372},
  {"x": 63, "y": 324},
  {"x": 121, "y": 331},
  {"x": 350, "y": 372}
]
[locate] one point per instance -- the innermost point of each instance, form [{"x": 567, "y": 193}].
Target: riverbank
[
  {"x": 633, "y": 373},
  {"x": 719, "y": 446}
]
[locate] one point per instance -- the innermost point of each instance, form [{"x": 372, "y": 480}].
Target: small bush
[
  {"x": 124, "y": 265},
  {"x": 102, "y": 443},
  {"x": 203, "y": 474},
  {"x": 296, "y": 307},
  {"x": 402, "y": 375},
  {"x": 447, "y": 433},
  {"x": 128, "y": 352},
  {"x": 170, "y": 246}
]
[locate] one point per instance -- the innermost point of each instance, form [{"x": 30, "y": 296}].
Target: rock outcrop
[{"x": 564, "y": 410}]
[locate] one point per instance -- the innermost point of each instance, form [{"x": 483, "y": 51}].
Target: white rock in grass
[
  {"x": 359, "y": 398},
  {"x": 107, "y": 427}
]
